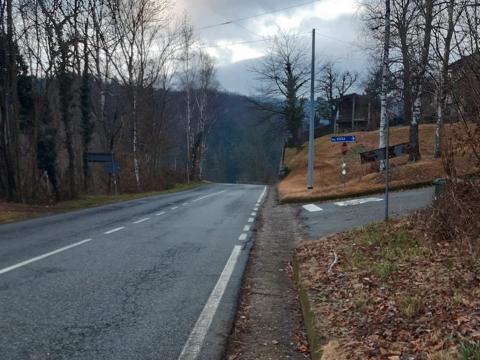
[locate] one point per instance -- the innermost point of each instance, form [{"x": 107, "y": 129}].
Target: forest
[{"x": 121, "y": 77}]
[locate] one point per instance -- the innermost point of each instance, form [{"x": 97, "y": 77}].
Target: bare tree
[
  {"x": 449, "y": 14},
  {"x": 137, "y": 24},
  {"x": 284, "y": 74},
  {"x": 411, "y": 30},
  {"x": 385, "y": 77},
  {"x": 205, "y": 91},
  {"x": 187, "y": 79},
  {"x": 334, "y": 85}
]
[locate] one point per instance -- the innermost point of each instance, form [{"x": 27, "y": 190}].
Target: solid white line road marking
[
  {"x": 161, "y": 213},
  {"x": 357, "y": 201},
  {"x": 175, "y": 208},
  {"x": 207, "y": 196},
  {"x": 141, "y": 221},
  {"x": 246, "y": 228},
  {"x": 114, "y": 230},
  {"x": 250, "y": 219},
  {"x": 312, "y": 208},
  {"x": 242, "y": 237},
  {"x": 253, "y": 214},
  {"x": 194, "y": 344},
  {"x": 37, "y": 258},
  {"x": 262, "y": 195}
]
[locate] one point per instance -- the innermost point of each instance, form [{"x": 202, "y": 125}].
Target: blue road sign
[{"x": 343, "y": 139}]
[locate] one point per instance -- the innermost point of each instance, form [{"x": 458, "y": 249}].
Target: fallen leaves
[{"x": 429, "y": 301}]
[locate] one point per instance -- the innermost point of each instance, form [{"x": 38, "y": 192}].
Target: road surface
[
  {"x": 155, "y": 278},
  {"x": 330, "y": 217}
]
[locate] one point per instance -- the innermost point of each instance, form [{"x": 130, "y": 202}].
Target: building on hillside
[
  {"x": 462, "y": 97},
  {"x": 357, "y": 113}
]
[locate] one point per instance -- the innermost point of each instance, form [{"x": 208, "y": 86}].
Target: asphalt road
[
  {"x": 334, "y": 216},
  {"x": 155, "y": 278}
]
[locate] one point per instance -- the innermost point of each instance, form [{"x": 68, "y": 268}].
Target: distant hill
[{"x": 243, "y": 146}]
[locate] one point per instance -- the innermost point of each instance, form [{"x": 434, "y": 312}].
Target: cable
[
  {"x": 248, "y": 42},
  {"x": 255, "y": 16}
]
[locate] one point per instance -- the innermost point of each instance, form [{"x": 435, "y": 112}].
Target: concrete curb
[{"x": 313, "y": 334}]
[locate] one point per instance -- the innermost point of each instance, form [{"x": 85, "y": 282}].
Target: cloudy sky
[{"x": 337, "y": 25}]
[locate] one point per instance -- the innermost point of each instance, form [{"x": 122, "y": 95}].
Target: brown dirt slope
[{"x": 362, "y": 178}]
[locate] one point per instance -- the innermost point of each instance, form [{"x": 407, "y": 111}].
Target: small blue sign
[{"x": 343, "y": 139}]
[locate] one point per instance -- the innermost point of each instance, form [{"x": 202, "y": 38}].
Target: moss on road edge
[{"x": 314, "y": 339}]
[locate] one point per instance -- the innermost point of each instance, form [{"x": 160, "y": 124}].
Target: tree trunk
[
  {"x": 136, "y": 167},
  {"x": 385, "y": 75}
]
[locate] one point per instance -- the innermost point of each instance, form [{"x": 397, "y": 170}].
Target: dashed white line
[
  {"x": 114, "y": 230},
  {"x": 246, "y": 228},
  {"x": 209, "y": 195},
  {"x": 161, "y": 213},
  {"x": 194, "y": 344},
  {"x": 242, "y": 237},
  {"x": 141, "y": 220},
  {"x": 250, "y": 219},
  {"x": 255, "y": 209},
  {"x": 253, "y": 214},
  {"x": 184, "y": 204},
  {"x": 174, "y": 208},
  {"x": 37, "y": 258}
]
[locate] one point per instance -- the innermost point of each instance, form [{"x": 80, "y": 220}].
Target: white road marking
[
  {"x": 246, "y": 228},
  {"x": 114, "y": 230},
  {"x": 141, "y": 221},
  {"x": 161, "y": 213},
  {"x": 262, "y": 195},
  {"x": 194, "y": 344},
  {"x": 37, "y": 258},
  {"x": 357, "y": 201},
  {"x": 312, "y": 208},
  {"x": 250, "y": 219},
  {"x": 209, "y": 195},
  {"x": 255, "y": 209},
  {"x": 174, "y": 208},
  {"x": 242, "y": 237},
  {"x": 253, "y": 214},
  {"x": 185, "y": 204}
]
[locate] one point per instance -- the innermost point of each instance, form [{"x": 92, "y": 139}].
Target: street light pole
[{"x": 311, "y": 136}]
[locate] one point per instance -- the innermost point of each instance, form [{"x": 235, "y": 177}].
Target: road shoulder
[{"x": 269, "y": 324}]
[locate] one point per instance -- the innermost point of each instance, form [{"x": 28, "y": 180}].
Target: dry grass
[
  {"x": 408, "y": 297},
  {"x": 363, "y": 178}
]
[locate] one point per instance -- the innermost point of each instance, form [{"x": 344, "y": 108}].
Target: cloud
[{"x": 336, "y": 22}]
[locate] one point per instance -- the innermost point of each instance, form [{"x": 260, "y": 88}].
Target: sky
[{"x": 337, "y": 23}]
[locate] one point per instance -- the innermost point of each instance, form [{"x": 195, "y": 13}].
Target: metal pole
[
  {"x": 353, "y": 113},
  {"x": 387, "y": 165},
  {"x": 311, "y": 137},
  {"x": 114, "y": 173}
]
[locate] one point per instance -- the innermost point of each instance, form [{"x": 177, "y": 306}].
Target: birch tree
[
  {"x": 444, "y": 29},
  {"x": 385, "y": 80},
  {"x": 137, "y": 24}
]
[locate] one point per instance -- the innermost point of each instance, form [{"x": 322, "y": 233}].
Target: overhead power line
[
  {"x": 248, "y": 41},
  {"x": 233, "y": 21}
]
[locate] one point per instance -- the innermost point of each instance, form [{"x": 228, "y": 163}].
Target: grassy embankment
[
  {"x": 385, "y": 292},
  {"x": 11, "y": 212},
  {"x": 362, "y": 179}
]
